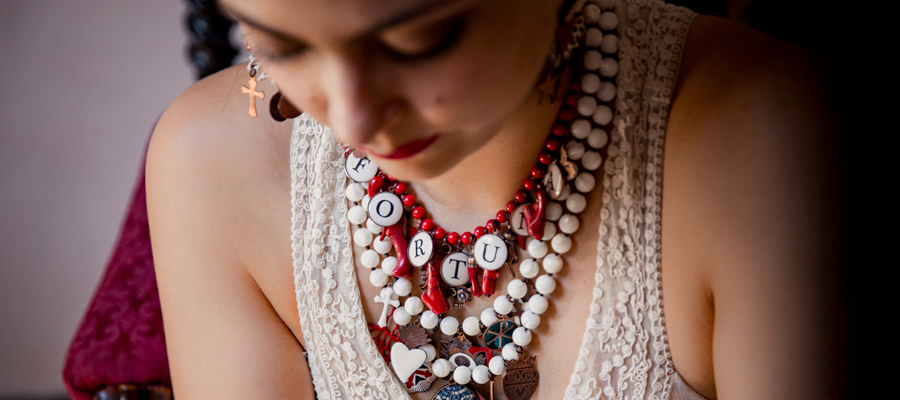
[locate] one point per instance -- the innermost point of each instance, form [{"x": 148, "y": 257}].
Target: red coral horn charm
[
  {"x": 433, "y": 297},
  {"x": 534, "y": 215},
  {"x": 489, "y": 282},
  {"x": 473, "y": 276},
  {"x": 395, "y": 232}
]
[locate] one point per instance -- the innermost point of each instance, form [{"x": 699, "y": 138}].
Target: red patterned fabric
[{"x": 120, "y": 339}]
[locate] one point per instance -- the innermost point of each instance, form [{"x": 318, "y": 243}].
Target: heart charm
[{"x": 406, "y": 361}]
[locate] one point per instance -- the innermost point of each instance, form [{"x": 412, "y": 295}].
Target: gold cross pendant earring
[{"x": 252, "y": 92}]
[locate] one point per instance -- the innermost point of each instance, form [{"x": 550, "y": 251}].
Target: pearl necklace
[{"x": 383, "y": 208}]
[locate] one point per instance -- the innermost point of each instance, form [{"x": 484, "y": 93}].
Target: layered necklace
[{"x": 400, "y": 238}]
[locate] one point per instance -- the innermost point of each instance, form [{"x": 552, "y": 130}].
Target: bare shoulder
[{"x": 750, "y": 217}]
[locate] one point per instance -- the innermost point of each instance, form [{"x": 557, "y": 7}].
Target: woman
[{"x": 459, "y": 100}]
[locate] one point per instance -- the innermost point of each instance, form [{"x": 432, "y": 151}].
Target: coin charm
[
  {"x": 490, "y": 252},
  {"x": 385, "y": 209},
  {"x": 521, "y": 379},
  {"x": 499, "y": 334},
  {"x": 420, "y": 249},
  {"x": 360, "y": 169},
  {"x": 453, "y": 269},
  {"x": 455, "y": 392}
]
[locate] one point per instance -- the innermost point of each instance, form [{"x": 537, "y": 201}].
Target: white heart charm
[{"x": 406, "y": 361}]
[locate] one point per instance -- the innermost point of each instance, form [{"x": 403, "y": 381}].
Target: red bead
[
  {"x": 545, "y": 158},
  {"x": 566, "y": 115},
  {"x": 452, "y": 237},
  {"x": 390, "y": 178},
  {"x": 552, "y": 145},
  {"x": 466, "y": 238},
  {"x": 511, "y": 206},
  {"x": 479, "y": 231},
  {"x": 439, "y": 233},
  {"x": 537, "y": 173},
  {"x": 400, "y": 188},
  {"x": 427, "y": 224},
  {"x": 559, "y": 130},
  {"x": 375, "y": 183},
  {"x": 571, "y": 99},
  {"x": 521, "y": 196},
  {"x": 502, "y": 216},
  {"x": 576, "y": 86},
  {"x": 529, "y": 184},
  {"x": 492, "y": 225},
  {"x": 409, "y": 200},
  {"x": 418, "y": 212}
]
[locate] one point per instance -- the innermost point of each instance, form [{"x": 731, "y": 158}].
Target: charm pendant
[
  {"x": 499, "y": 334},
  {"x": 420, "y": 380},
  {"x": 455, "y": 392},
  {"x": 253, "y": 94},
  {"x": 405, "y": 362},
  {"x": 521, "y": 379}
]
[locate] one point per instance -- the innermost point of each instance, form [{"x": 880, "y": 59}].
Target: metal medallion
[
  {"x": 521, "y": 379},
  {"x": 499, "y": 334},
  {"x": 455, "y": 392}
]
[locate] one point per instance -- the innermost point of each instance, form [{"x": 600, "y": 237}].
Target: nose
[{"x": 359, "y": 105}]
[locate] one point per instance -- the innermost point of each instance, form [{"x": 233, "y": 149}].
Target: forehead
[{"x": 325, "y": 18}]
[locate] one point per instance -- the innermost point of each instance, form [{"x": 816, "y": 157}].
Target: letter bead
[
  {"x": 490, "y": 252},
  {"x": 385, "y": 209}
]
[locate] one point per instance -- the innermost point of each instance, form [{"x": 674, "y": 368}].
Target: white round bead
[
  {"x": 370, "y": 258},
  {"x": 607, "y": 91},
  {"x": 365, "y": 202},
  {"x": 581, "y": 128},
  {"x": 481, "y": 374},
  {"x": 609, "y": 44},
  {"x": 378, "y": 278},
  {"x": 574, "y": 150},
  {"x": 567, "y": 190},
  {"x": 576, "y": 203},
  {"x": 591, "y": 160},
  {"x": 388, "y": 265},
  {"x": 609, "y": 67},
  {"x": 537, "y": 248},
  {"x": 362, "y": 237},
  {"x": 462, "y": 375},
  {"x": 586, "y": 105},
  {"x": 471, "y": 326},
  {"x": 502, "y": 305},
  {"x": 598, "y": 138},
  {"x": 414, "y": 305},
  {"x": 552, "y": 263},
  {"x": 497, "y": 366},
  {"x": 521, "y": 336},
  {"x": 590, "y": 83},
  {"x": 401, "y": 317},
  {"x": 430, "y": 351},
  {"x": 357, "y": 215},
  {"x": 382, "y": 246},
  {"x": 441, "y": 367},
  {"x": 488, "y": 316},
  {"x": 554, "y": 211},
  {"x": 402, "y": 286},
  {"x": 549, "y": 230},
  {"x": 591, "y": 13},
  {"x": 592, "y": 60},
  {"x": 545, "y": 284},
  {"x": 428, "y": 319},
  {"x": 608, "y": 21},
  {"x": 585, "y": 182},
  {"x": 509, "y": 352},
  {"x": 531, "y": 320},
  {"x": 593, "y": 37},
  {"x": 373, "y": 227},
  {"x": 517, "y": 289},
  {"x": 561, "y": 243},
  {"x": 449, "y": 326},
  {"x": 603, "y": 115},
  {"x": 355, "y": 192},
  {"x": 529, "y": 268},
  {"x": 568, "y": 223},
  {"x": 537, "y": 304}
]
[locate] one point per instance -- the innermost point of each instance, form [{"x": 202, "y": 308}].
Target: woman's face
[{"x": 418, "y": 84}]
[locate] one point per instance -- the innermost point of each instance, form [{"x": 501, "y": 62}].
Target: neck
[{"x": 471, "y": 193}]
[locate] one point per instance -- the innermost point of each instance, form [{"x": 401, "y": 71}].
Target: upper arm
[
  {"x": 755, "y": 176},
  {"x": 224, "y": 338}
]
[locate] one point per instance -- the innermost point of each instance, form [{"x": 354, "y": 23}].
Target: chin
[{"x": 427, "y": 165}]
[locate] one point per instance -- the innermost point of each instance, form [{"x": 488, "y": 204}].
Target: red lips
[{"x": 407, "y": 150}]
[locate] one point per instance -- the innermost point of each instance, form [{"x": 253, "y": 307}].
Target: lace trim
[
  {"x": 625, "y": 350},
  {"x": 331, "y": 319}
]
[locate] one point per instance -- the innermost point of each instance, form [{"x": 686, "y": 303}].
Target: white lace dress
[{"x": 625, "y": 350}]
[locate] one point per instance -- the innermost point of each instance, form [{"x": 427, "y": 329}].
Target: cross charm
[
  {"x": 389, "y": 298},
  {"x": 253, "y": 93}
]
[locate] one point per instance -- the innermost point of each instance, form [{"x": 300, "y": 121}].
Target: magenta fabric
[{"x": 120, "y": 339}]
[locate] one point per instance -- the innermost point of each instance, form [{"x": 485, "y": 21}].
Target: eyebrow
[{"x": 401, "y": 17}]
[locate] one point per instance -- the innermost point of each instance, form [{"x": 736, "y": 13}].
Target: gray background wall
[{"x": 82, "y": 81}]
